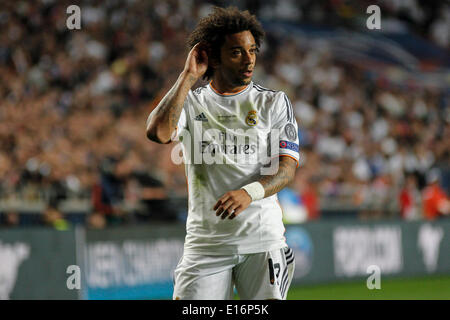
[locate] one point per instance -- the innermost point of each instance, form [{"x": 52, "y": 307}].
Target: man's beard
[{"x": 241, "y": 82}]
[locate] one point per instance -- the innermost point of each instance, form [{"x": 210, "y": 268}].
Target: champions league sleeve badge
[{"x": 291, "y": 132}]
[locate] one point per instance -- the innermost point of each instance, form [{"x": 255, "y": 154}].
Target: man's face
[{"x": 237, "y": 58}]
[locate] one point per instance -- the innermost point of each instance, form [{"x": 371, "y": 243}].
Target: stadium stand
[{"x": 373, "y": 107}]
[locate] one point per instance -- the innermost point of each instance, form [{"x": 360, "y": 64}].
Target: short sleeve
[{"x": 283, "y": 120}]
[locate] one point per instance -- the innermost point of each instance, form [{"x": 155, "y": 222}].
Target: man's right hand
[
  {"x": 162, "y": 121},
  {"x": 197, "y": 61}
]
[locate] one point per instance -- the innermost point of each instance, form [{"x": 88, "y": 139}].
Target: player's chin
[{"x": 245, "y": 81}]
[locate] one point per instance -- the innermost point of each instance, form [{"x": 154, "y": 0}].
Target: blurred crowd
[{"x": 73, "y": 107}]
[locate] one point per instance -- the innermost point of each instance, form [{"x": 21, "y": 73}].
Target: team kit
[{"x": 214, "y": 248}]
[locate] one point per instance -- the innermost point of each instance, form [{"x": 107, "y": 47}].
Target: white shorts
[{"x": 258, "y": 276}]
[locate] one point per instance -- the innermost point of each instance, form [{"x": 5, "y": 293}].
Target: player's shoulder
[
  {"x": 263, "y": 89},
  {"x": 272, "y": 97},
  {"x": 199, "y": 90},
  {"x": 196, "y": 95},
  {"x": 277, "y": 101},
  {"x": 269, "y": 93}
]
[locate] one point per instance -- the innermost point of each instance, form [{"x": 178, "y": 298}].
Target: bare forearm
[
  {"x": 275, "y": 183},
  {"x": 234, "y": 202},
  {"x": 163, "y": 120}
]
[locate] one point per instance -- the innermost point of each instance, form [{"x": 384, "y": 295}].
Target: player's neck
[{"x": 222, "y": 87}]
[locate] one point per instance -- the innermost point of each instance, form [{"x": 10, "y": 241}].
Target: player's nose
[{"x": 248, "y": 58}]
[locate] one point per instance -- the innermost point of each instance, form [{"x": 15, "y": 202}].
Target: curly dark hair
[{"x": 221, "y": 22}]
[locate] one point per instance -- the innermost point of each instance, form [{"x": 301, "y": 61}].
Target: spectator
[
  {"x": 96, "y": 221},
  {"x": 54, "y": 218},
  {"x": 435, "y": 202},
  {"x": 71, "y": 99},
  {"x": 307, "y": 187},
  {"x": 11, "y": 219},
  {"x": 409, "y": 199}
]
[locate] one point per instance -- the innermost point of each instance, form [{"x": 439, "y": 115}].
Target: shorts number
[{"x": 273, "y": 267}]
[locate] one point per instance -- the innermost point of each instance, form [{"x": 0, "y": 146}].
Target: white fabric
[
  {"x": 258, "y": 276},
  {"x": 255, "y": 190},
  {"x": 210, "y": 126}
]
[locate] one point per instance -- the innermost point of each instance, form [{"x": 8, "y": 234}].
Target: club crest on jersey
[{"x": 252, "y": 118}]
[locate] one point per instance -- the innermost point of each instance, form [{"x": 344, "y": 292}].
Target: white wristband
[{"x": 255, "y": 190}]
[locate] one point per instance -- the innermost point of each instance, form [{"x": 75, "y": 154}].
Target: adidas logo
[{"x": 201, "y": 117}]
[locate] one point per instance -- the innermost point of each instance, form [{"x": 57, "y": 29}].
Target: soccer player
[{"x": 234, "y": 230}]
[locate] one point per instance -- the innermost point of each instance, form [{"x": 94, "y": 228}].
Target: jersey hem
[{"x": 219, "y": 250}]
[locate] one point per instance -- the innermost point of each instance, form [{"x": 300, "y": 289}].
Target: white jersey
[{"x": 218, "y": 158}]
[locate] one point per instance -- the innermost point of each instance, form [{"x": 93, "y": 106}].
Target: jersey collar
[{"x": 226, "y": 95}]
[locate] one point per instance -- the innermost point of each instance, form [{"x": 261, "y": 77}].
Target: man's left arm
[
  {"x": 284, "y": 176},
  {"x": 234, "y": 202}
]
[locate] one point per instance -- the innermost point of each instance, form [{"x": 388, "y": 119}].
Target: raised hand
[{"x": 197, "y": 60}]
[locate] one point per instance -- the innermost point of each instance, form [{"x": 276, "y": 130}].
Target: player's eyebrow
[{"x": 240, "y": 47}]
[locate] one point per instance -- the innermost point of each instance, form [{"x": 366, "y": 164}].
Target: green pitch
[{"x": 435, "y": 288}]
